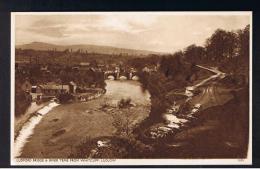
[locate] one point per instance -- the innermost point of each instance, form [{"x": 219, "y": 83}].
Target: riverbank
[
  {"x": 217, "y": 132},
  {"x": 204, "y": 124}
]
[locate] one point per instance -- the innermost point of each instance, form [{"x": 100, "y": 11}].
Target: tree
[
  {"x": 94, "y": 63},
  {"x": 221, "y": 45},
  {"x": 66, "y": 51},
  {"x": 64, "y": 97},
  {"x": 194, "y": 54},
  {"x": 243, "y": 44},
  {"x": 63, "y": 77},
  {"x": 172, "y": 64}
]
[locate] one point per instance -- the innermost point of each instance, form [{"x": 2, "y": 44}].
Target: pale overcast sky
[{"x": 166, "y": 32}]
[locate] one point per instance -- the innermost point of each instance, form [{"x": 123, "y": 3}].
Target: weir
[{"x": 28, "y": 128}]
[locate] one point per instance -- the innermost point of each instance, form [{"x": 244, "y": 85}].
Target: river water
[
  {"x": 115, "y": 91},
  {"x": 123, "y": 89}
]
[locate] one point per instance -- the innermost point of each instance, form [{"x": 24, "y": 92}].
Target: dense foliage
[{"x": 227, "y": 50}]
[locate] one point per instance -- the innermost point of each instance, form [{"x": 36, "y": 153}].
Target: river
[
  {"x": 39, "y": 136},
  {"x": 54, "y": 129},
  {"x": 118, "y": 89}
]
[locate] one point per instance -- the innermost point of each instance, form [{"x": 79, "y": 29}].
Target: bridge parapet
[{"x": 129, "y": 74}]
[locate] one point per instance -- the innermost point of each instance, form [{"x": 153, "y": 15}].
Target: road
[{"x": 212, "y": 94}]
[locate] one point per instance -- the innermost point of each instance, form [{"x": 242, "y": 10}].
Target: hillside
[{"x": 90, "y": 48}]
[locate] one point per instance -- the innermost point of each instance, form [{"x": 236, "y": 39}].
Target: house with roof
[
  {"x": 149, "y": 69},
  {"x": 36, "y": 93},
  {"x": 54, "y": 89},
  {"x": 84, "y": 64},
  {"x": 21, "y": 63},
  {"x": 22, "y": 67},
  {"x": 44, "y": 67}
]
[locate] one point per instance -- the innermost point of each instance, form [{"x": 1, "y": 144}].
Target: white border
[
  {"x": 247, "y": 161},
  {"x": 12, "y": 67}
]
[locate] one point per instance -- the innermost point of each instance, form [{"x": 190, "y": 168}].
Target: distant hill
[{"x": 90, "y": 48}]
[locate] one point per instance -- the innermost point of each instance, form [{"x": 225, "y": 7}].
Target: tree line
[{"x": 225, "y": 49}]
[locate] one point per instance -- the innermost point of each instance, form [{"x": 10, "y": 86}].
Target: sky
[{"x": 154, "y": 31}]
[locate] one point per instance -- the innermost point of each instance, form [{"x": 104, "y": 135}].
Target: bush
[
  {"x": 117, "y": 147},
  {"x": 124, "y": 103},
  {"x": 83, "y": 149},
  {"x": 64, "y": 97},
  {"x": 105, "y": 104}
]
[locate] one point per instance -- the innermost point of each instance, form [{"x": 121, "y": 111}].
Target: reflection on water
[{"x": 117, "y": 90}]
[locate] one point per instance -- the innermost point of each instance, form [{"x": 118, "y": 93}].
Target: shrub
[
  {"x": 64, "y": 97},
  {"x": 105, "y": 104},
  {"x": 124, "y": 103}
]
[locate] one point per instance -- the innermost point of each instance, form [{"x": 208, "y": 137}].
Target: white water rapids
[{"x": 28, "y": 128}]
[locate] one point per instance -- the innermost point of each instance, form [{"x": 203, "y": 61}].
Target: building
[
  {"x": 146, "y": 69},
  {"x": 101, "y": 65},
  {"x": 44, "y": 68},
  {"x": 21, "y": 63},
  {"x": 95, "y": 69},
  {"x": 22, "y": 67},
  {"x": 54, "y": 89},
  {"x": 75, "y": 68},
  {"x": 149, "y": 69},
  {"x": 36, "y": 93},
  {"x": 72, "y": 87},
  {"x": 84, "y": 64}
]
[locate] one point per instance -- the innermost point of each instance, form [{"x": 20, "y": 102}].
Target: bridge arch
[
  {"x": 135, "y": 77},
  {"x": 110, "y": 74},
  {"x": 111, "y": 77},
  {"x": 123, "y": 75}
]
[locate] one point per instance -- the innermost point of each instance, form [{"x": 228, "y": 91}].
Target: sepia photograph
[{"x": 131, "y": 88}]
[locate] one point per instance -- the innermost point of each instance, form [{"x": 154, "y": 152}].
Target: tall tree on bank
[
  {"x": 243, "y": 45},
  {"x": 172, "y": 64},
  {"x": 221, "y": 45},
  {"x": 194, "y": 54}
]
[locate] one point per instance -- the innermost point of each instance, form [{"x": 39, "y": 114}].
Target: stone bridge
[{"x": 121, "y": 74}]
